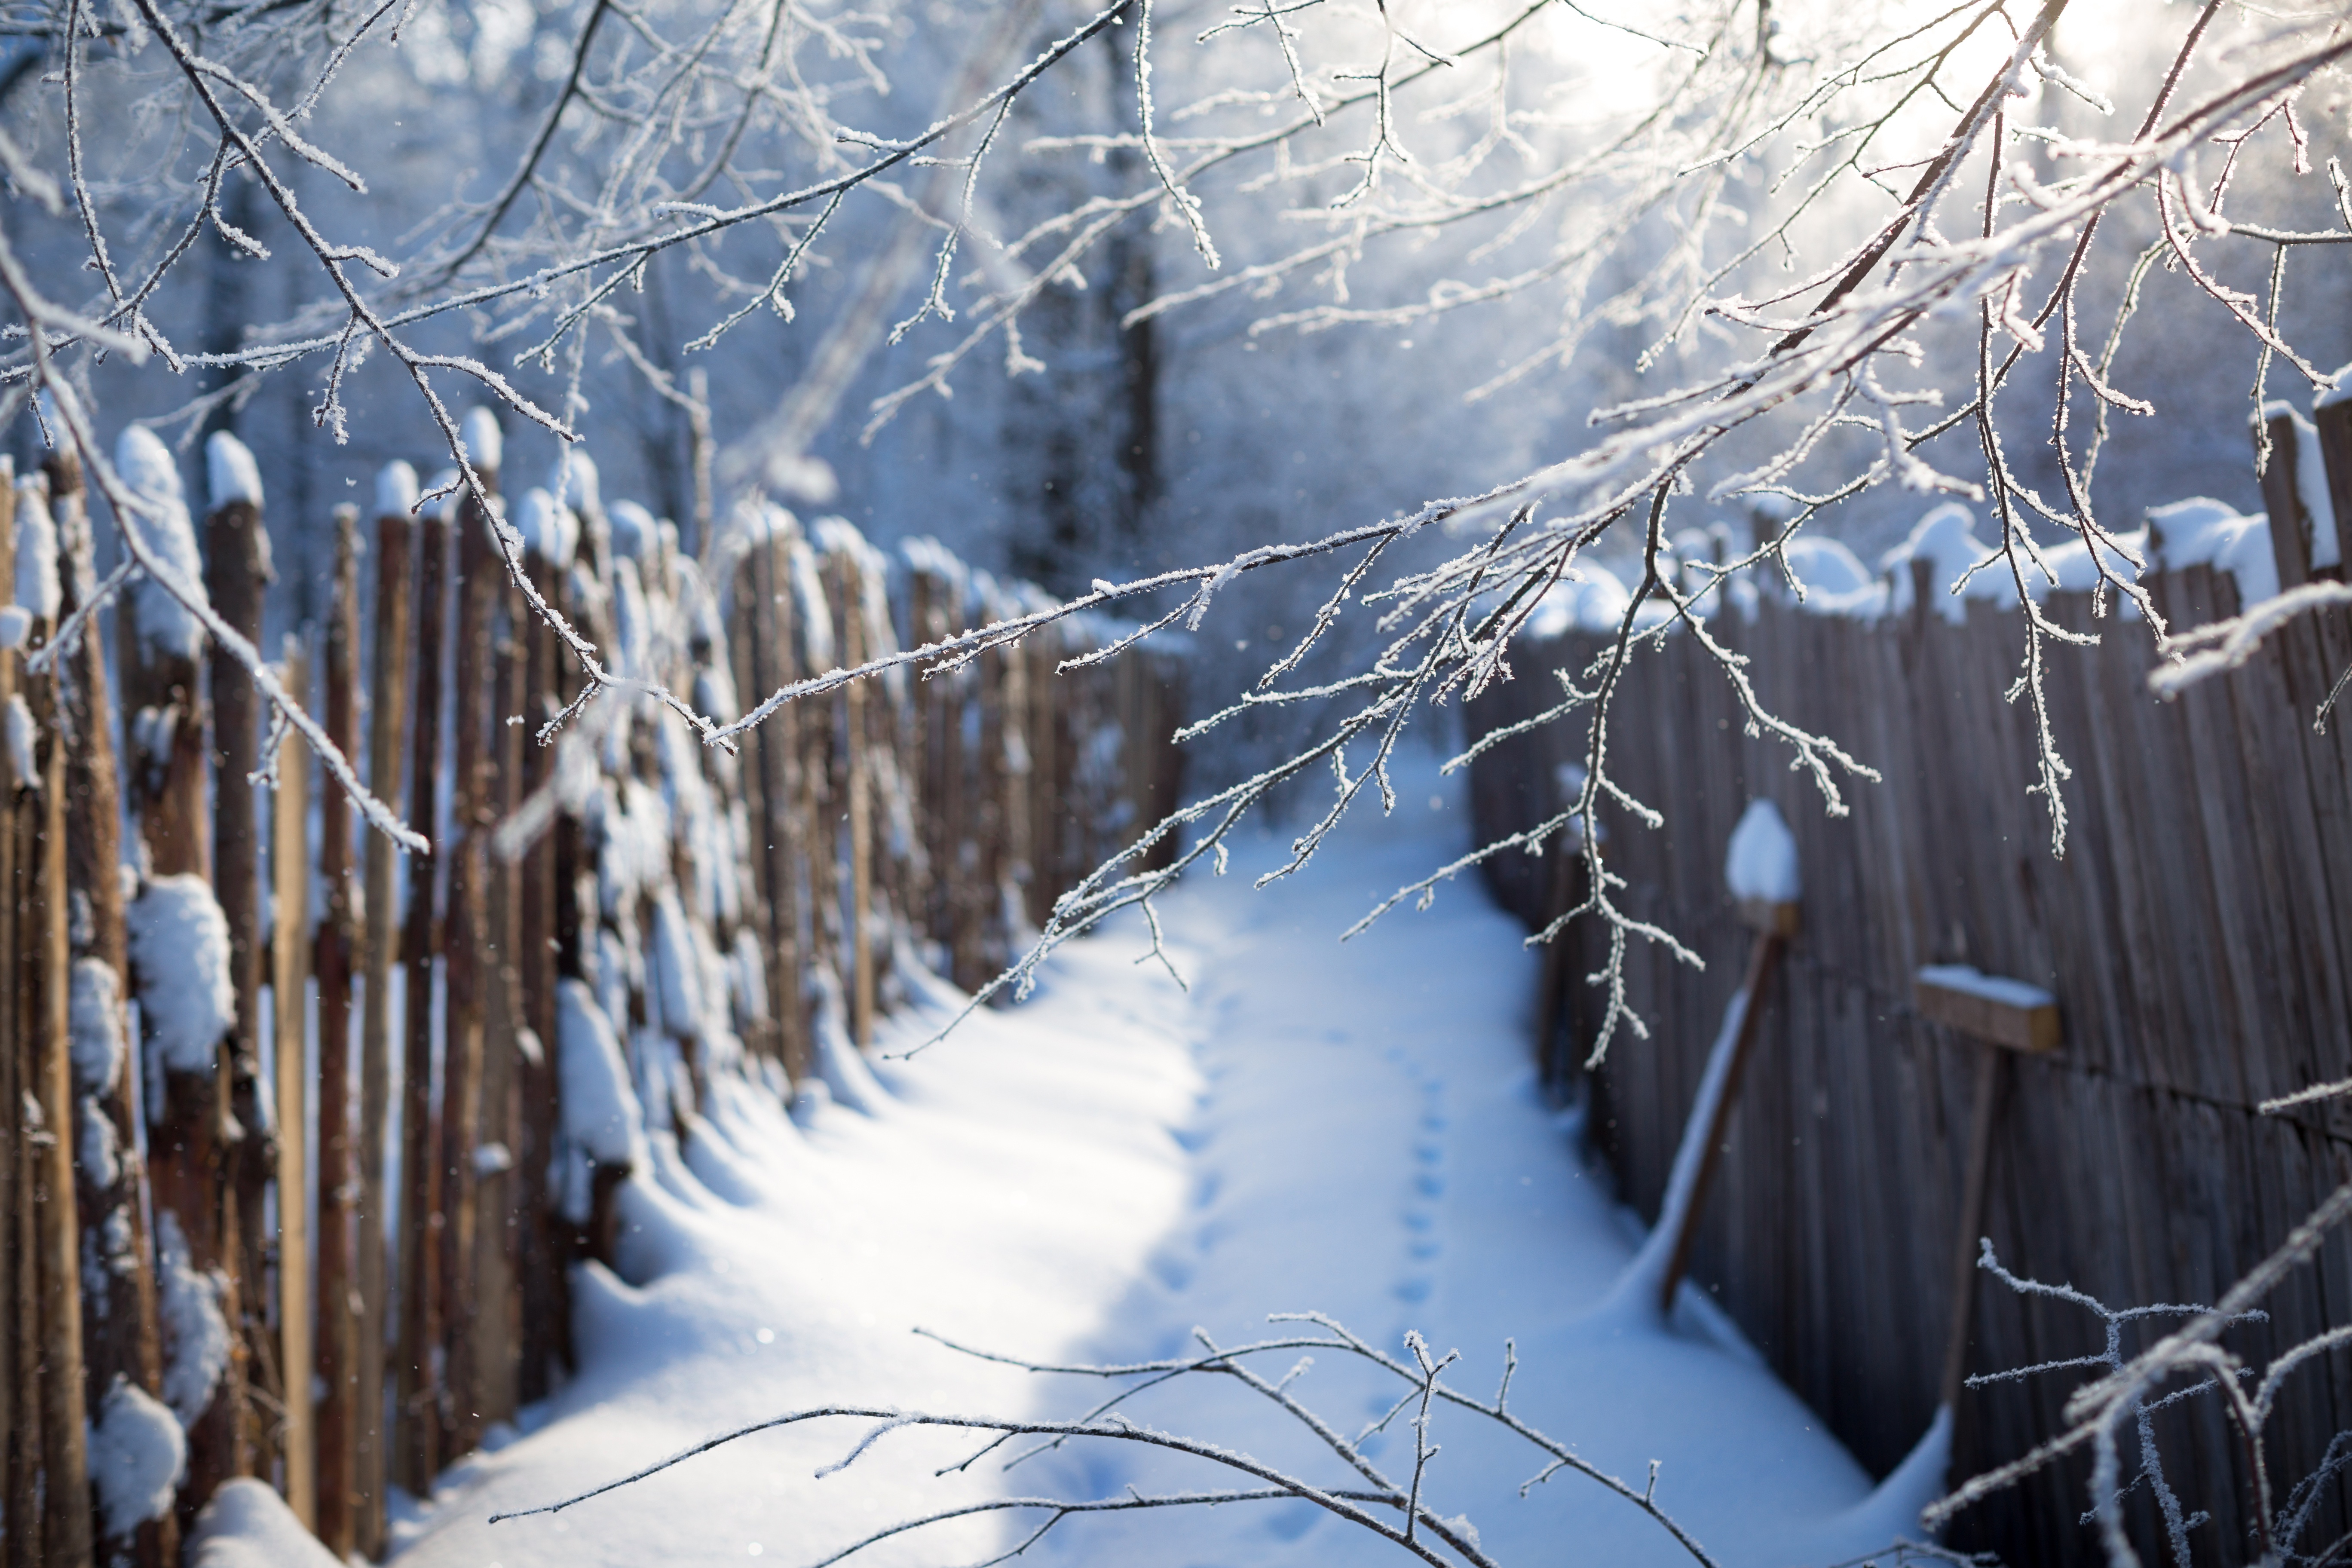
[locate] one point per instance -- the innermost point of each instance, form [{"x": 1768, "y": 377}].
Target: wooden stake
[
  {"x": 2013, "y": 1016},
  {"x": 237, "y": 575},
  {"x": 120, "y": 1339},
  {"x": 340, "y": 1314},
  {"x": 1773, "y": 923},
  {"x": 195, "y": 1132},
  {"x": 545, "y": 886},
  {"x": 67, "y": 1525},
  {"x": 417, "y": 1442},
  {"x": 289, "y": 973},
  {"x": 388, "y": 720},
  {"x": 467, "y": 967},
  {"x": 858, "y": 781}
]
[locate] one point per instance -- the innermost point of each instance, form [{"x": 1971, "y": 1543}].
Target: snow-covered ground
[{"x": 1346, "y": 1128}]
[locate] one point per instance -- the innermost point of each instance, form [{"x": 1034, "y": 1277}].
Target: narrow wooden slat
[
  {"x": 289, "y": 975},
  {"x": 339, "y": 1313},
  {"x": 395, "y": 558},
  {"x": 417, "y": 1453}
]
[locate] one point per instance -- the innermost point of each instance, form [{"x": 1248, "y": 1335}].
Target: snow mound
[
  {"x": 38, "y": 592},
  {"x": 246, "y": 1525},
  {"x": 601, "y": 1116},
  {"x": 2202, "y": 532},
  {"x": 2071, "y": 564},
  {"x": 230, "y": 473},
  {"x": 395, "y": 490},
  {"x": 634, "y": 530},
  {"x": 548, "y": 529},
  {"x": 1835, "y": 581},
  {"x": 95, "y": 1029},
  {"x": 573, "y": 481},
  {"x": 195, "y": 1334},
  {"x": 179, "y": 955},
  {"x": 1945, "y": 540},
  {"x": 485, "y": 443},
  {"x": 136, "y": 1454},
  {"x": 1590, "y": 599},
  {"x": 165, "y": 626},
  {"x": 1761, "y": 863}
]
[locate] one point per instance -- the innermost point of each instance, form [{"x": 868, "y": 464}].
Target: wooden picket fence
[
  {"x": 2198, "y": 935},
  {"x": 627, "y": 901}
]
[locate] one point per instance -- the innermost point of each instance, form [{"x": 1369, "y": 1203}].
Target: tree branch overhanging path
[{"x": 1383, "y": 130}]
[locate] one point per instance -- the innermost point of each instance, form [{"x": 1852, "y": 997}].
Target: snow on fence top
[
  {"x": 485, "y": 443},
  {"x": 395, "y": 490},
  {"x": 1963, "y": 565},
  {"x": 38, "y": 591},
  {"x": 1761, "y": 862},
  {"x": 1973, "y": 982},
  {"x": 230, "y": 473},
  {"x": 2310, "y": 482},
  {"x": 165, "y": 624},
  {"x": 179, "y": 943}
]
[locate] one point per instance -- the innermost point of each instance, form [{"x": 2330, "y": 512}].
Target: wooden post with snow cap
[
  {"x": 468, "y": 940},
  {"x": 2332, "y": 416},
  {"x": 290, "y": 972},
  {"x": 335, "y": 1476},
  {"x": 121, "y": 1349},
  {"x": 416, "y": 1445},
  {"x": 237, "y": 574},
  {"x": 396, "y": 501},
  {"x": 177, "y": 929},
  {"x": 2295, "y": 492},
  {"x": 2016, "y": 1017},
  {"x": 1762, "y": 868}
]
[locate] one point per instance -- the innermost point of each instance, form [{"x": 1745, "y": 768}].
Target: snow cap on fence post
[
  {"x": 548, "y": 529},
  {"x": 485, "y": 443},
  {"x": 634, "y": 530},
  {"x": 37, "y": 588},
  {"x": 230, "y": 473},
  {"x": 1945, "y": 540},
  {"x": 396, "y": 490},
  {"x": 164, "y": 623},
  {"x": 179, "y": 954},
  {"x": 1760, "y": 866}
]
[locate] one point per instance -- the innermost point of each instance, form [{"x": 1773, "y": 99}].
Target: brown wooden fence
[
  {"x": 2198, "y": 934},
  {"x": 706, "y": 914}
]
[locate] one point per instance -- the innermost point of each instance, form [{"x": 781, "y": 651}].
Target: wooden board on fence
[
  {"x": 2000, "y": 1012},
  {"x": 290, "y": 972}
]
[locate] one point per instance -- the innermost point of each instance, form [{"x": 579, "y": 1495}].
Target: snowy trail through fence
[{"x": 1350, "y": 1127}]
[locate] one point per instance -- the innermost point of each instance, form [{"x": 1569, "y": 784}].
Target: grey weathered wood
[{"x": 2197, "y": 936}]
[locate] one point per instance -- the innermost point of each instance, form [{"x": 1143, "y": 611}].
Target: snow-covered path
[{"x": 1350, "y": 1129}]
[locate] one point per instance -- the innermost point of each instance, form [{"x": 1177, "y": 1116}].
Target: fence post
[
  {"x": 2291, "y": 525},
  {"x": 417, "y": 1399},
  {"x": 2333, "y": 415},
  {"x": 544, "y": 883},
  {"x": 857, "y": 779},
  {"x": 765, "y": 662},
  {"x": 65, "y": 1527},
  {"x": 387, "y": 720},
  {"x": 119, "y": 1339},
  {"x": 290, "y": 972},
  {"x": 466, "y": 961},
  {"x": 193, "y": 1132},
  {"x": 339, "y": 1314},
  {"x": 501, "y": 1219},
  {"x": 236, "y": 574}
]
